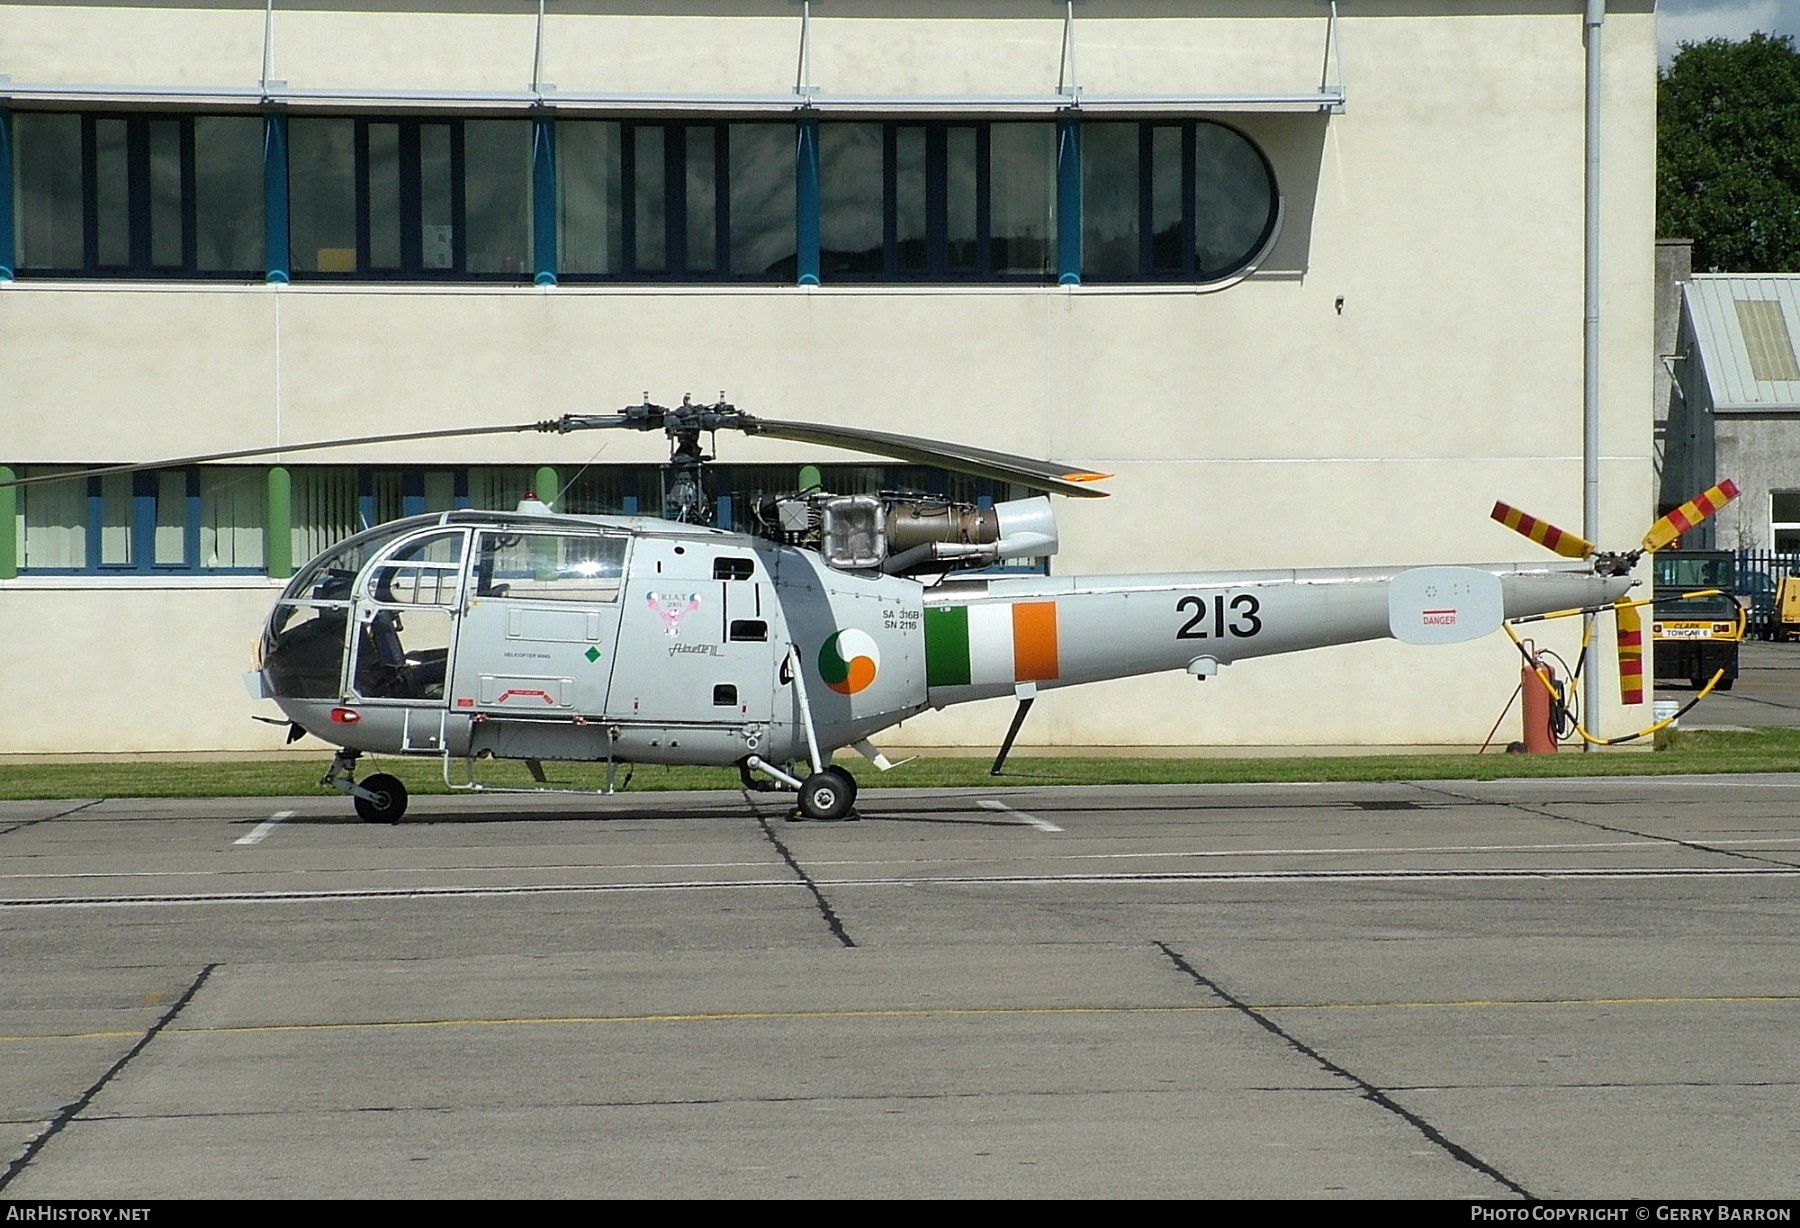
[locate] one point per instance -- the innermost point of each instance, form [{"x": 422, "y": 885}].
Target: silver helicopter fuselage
[{"x": 638, "y": 640}]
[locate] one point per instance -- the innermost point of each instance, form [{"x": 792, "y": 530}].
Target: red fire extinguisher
[{"x": 1541, "y": 693}]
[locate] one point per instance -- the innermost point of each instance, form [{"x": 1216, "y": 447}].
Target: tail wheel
[
  {"x": 389, "y": 801},
  {"x": 827, "y": 796}
]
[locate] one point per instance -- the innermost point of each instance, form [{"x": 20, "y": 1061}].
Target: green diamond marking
[{"x": 592, "y": 654}]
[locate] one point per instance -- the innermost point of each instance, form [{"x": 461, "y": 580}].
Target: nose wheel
[
  {"x": 828, "y": 796},
  {"x": 381, "y": 799}
]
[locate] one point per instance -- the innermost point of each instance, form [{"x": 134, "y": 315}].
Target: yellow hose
[{"x": 1717, "y": 677}]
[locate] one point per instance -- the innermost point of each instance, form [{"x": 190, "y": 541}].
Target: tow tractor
[{"x": 1698, "y": 621}]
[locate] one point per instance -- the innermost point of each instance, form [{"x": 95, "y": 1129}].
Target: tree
[{"x": 1728, "y": 153}]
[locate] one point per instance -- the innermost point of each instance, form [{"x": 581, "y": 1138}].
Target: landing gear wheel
[
  {"x": 1724, "y": 684},
  {"x": 848, "y": 781},
  {"x": 827, "y": 796},
  {"x": 389, "y": 803}
]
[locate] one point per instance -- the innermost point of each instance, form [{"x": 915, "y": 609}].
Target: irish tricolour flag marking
[{"x": 973, "y": 645}]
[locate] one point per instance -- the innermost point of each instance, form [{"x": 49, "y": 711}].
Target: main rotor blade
[
  {"x": 1670, "y": 528},
  {"x": 1629, "y": 630},
  {"x": 1064, "y": 479},
  {"x": 1543, "y": 532},
  {"x": 1001, "y": 466},
  {"x": 247, "y": 453}
]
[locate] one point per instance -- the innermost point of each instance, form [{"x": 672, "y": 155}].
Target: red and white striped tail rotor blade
[
  {"x": 1543, "y": 532},
  {"x": 1629, "y": 628},
  {"x": 1669, "y": 529}
]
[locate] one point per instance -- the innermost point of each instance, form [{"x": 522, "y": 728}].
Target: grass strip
[{"x": 1696, "y": 752}]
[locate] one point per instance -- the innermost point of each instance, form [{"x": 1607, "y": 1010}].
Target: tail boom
[{"x": 1000, "y": 637}]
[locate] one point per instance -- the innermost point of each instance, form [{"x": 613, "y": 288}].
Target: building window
[
  {"x": 675, "y": 201},
  {"x": 166, "y": 520},
  {"x": 324, "y": 508},
  {"x": 500, "y": 488},
  {"x": 1173, "y": 201},
  {"x": 936, "y": 201},
  {"x": 410, "y": 198},
  {"x": 389, "y": 494},
  {"x": 589, "y": 204},
  {"x": 1784, "y": 520},
  {"x": 214, "y": 518},
  {"x": 764, "y": 242},
  {"x": 139, "y": 195},
  {"x": 233, "y": 514},
  {"x": 426, "y": 198}
]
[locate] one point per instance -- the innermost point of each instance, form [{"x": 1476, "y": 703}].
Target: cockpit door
[
  {"x": 541, "y": 623},
  {"x": 407, "y": 602}
]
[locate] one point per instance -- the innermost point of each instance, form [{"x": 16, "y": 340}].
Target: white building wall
[{"x": 1257, "y": 425}]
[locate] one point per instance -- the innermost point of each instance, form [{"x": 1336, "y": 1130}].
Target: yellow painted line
[
  {"x": 917, "y": 1013},
  {"x": 1487, "y": 1002}
]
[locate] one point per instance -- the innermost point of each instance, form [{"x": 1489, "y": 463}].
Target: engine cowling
[{"x": 913, "y": 534}]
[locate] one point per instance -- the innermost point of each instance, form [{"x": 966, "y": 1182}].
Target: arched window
[{"x": 1173, "y": 200}]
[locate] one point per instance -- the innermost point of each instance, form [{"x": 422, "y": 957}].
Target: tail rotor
[{"x": 1627, "y": 614}]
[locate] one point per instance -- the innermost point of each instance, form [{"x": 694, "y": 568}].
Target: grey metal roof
[{"x": 1745, "y": 327}]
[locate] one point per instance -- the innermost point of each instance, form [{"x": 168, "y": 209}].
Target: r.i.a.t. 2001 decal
[{"x": 672, "y": 608}]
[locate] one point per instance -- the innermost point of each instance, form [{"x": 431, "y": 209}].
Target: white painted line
[
  {"x": 366, "y": 895},
  {"x": 559, "y": 868},
  {"x": 1032, "y": 819},
  {"x": 262, "y": 829},
  {"x": 1785, "y": 780},
  {"x": 405, "y": 893}
]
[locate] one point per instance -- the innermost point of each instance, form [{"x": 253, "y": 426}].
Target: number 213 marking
[{"x": 1244, "y": 621}]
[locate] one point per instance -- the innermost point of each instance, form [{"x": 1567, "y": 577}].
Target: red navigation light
[{"x": 346, "y": 716}]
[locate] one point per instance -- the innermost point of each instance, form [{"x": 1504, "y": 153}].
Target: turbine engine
[{"x": 910, "y": 534}]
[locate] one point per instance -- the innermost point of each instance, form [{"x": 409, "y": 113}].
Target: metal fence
[{"x": 1759, "y": 576}]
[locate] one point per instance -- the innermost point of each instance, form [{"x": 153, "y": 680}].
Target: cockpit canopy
[
  {"x": 390, "y": 579},
  {"x": 329, "y": 577}
]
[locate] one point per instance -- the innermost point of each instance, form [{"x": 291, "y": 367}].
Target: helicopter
[{"x": 531, "y": 635}]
